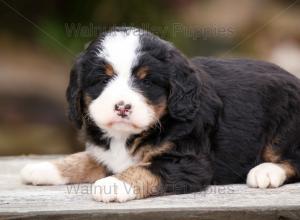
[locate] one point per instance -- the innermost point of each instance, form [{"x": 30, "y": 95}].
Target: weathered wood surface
[{"x": 74, "y": 201}]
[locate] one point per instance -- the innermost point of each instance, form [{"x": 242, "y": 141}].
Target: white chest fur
[{"x": 117, "y": 158}]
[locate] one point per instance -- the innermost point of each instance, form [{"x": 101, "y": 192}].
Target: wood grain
[{"x": 75, "y": 202}]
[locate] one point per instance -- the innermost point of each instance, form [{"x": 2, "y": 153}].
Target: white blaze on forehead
[{"x": 120, "y": 50}]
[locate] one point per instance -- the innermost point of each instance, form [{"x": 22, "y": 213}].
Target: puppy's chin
[{"x": 122, "y": 128}]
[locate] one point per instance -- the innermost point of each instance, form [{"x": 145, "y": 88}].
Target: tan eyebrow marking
[
  {"x": 142, "y": 72},
  {"x": 109, "y": 70}
]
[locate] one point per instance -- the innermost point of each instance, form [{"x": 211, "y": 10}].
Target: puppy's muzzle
[{"x": 123, "y": 109}]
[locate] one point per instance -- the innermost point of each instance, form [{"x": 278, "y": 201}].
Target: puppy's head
[{"x": 128, "y": 79}]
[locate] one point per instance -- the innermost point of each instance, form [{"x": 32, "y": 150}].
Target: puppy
[{"x": 156, "y": 122}]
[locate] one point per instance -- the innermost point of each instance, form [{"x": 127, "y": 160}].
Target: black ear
[
  {"x": 184, "y": 97},
  {"x": 74, "y": 94}
]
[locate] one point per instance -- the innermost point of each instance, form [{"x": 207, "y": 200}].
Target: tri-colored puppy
[{"x": 157, "y": 122}]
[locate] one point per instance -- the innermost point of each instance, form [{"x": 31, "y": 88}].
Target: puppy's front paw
[
  {"x": 111, "y": 189},
  {"x": 266, "y": 175},
  {"x": 44, "y": 173}
]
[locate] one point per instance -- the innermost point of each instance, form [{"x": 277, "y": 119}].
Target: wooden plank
[{"x": 74, "y": 201}]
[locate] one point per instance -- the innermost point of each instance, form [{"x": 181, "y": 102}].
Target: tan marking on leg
[
  {"x": 270, "y": 155},
  {"x": 144, "y": 182},
  {"x": 289, "y": 169},
  {"x": 80, "y": 168}
]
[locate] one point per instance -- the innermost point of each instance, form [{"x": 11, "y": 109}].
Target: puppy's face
[
  {"x": 125, "y": 82},
  {"x": 124, "y": 85}
]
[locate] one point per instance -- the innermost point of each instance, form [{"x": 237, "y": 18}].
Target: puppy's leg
[
  {"x": 134, "y": 183},
  {"x": 165, "y": 174},
  {"x": 277, "y": 168},
  {"x": 76, "y": 168}
]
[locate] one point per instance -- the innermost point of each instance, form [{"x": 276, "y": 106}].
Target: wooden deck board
[{"x": 74, "y": 201}]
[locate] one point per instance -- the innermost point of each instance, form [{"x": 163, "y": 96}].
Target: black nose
[{"x": 123, "y": 109}]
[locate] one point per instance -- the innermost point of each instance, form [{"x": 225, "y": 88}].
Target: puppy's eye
[
  {"x": 97, "y": 80},
  {"x": 147, "y": 82}
]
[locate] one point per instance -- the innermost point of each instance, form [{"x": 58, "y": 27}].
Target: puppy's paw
[
  {"x": 44, "y": 173},
  {"x": 266, "y": 175},
  {"x": 111, "y": 189}
]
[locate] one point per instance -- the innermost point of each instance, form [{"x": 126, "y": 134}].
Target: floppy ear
[
  {"x": 184, "y": 97},
  {"x": 74, "y": 94}
]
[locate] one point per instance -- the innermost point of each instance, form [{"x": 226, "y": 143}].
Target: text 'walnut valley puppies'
[{"x": 156, "y": 122}]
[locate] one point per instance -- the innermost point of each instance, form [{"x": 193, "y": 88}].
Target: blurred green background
[{"x": 39, "y": 40}]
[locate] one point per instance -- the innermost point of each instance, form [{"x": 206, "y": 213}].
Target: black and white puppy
[{"x": 157, "y": 122}]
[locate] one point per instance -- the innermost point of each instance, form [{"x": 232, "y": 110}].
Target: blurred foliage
[
  {"x": 52, "y": 17},
  {"x": 39, "y": 39},
  {"x": 46, "y": 22}
]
